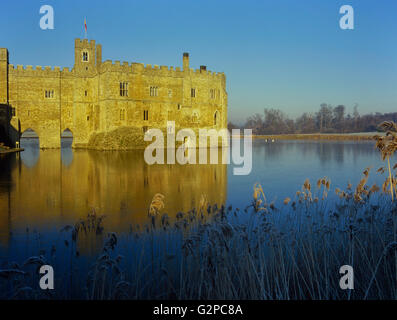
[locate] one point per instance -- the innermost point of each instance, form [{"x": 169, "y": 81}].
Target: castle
[{"x": 99, "y": 97}]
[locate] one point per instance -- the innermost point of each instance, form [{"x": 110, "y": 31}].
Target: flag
[{"x": 85, "y": 25}]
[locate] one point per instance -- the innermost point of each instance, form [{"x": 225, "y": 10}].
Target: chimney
[{"x": 185, "y": 61}]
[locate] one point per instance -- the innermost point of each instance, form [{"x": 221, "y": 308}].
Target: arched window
[
  {"x": 216, "y": 118},
  {"x": 85, "y": 56}
]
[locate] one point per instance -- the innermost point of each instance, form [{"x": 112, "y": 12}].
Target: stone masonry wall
[{"x": 87, "y": 99}]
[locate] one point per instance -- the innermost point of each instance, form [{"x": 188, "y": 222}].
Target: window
[
  {"x": 144, "y": 128},
  {"x": 195, "y": 117},
  {"x": 212, "y": 93},
  {"x": 193, "y": 93},
  {"x": 85, "y": 93},
  {"x": 154, "y": 91},
  {"x": 85, "y": 56},
  {"x": 145, "y": 114},
  {"x": 179, "y": 106},
  {"x": 123, "y": 89},
  {"x": 49, "y": 94},
  {"x": 216, "y": 118},
  {"x": 122, "y": 114}
]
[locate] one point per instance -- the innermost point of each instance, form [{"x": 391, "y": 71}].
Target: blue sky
[{"x": 290, "y": 55}]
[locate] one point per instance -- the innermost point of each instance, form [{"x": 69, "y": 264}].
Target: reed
[
  {"x": 212, "y": 252},
  {"x": 291, "y": 252}
]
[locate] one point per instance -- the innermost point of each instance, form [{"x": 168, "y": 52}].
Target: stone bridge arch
[
  {"x": 29, "y": 133},
  {"x": 46, "y": 126},
  {"x": 67, "y": 132}
]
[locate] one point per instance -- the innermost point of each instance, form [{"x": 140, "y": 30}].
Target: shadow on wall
[{"x": 8, "y": 134}]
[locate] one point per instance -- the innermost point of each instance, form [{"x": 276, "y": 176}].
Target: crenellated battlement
[
  {"x": 96, "y": 96},
  {"x": 41, "y": 71},
  {"x": 156, "y": 70},
  {"x": 84, "y": 43}
]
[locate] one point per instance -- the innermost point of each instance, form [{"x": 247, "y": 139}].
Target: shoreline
[
  {"x": 11, "y": 150},
  {"x": 318, "y": 136}
]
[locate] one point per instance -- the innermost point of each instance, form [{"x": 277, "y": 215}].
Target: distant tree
[
  {"x": 324, "y": 117},
  {"x": 255, "y": 123},
  {"x": 231, "y": 126},
  {"x": 328, "y": 119},
  {"x": 276, "y": 122},
  {"x": 356, "y": 116},
  {"x": 306, "y": 123},
  {"x": 339, "y": 117}
]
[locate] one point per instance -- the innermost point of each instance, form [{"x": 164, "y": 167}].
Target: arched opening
[
  {"x": 66, "y": 138},
  {"x": 217, "y": 119},
  {"x": 30, "y": 139},
  {"x": 66, "y": 146},
  {"x": 31, "y": 143}
]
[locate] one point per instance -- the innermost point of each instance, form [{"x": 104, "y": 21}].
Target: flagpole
[{"x": 85, "y": 28}]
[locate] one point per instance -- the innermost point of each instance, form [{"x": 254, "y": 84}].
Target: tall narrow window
[
  {"x": 49, "y": 94},
  {"x": 85, "y": 56},
  {"x": 213, "y": 93},
  {"x": 154, "y": 91},
  {"x": 216, "y": 116},
  {"x": 193, "y": 93},
  {"x": 123, "y": 89},
  {"x": 145, "y": 114}
]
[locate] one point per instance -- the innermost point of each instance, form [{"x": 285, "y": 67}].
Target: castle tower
[
  {"x": 185, "y": 61},
  {"x": 3, "y": 76},
  {"x": 87, "y": 56}
]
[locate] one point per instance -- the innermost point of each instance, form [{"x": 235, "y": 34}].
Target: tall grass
[
  {"x": 262, "y": 252},
  {"x": 293, "y": 251}
]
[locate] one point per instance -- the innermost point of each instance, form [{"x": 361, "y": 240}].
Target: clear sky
[{"x": 284, "y": 54}]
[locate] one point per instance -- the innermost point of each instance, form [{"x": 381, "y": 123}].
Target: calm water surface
[{"x": 47, "y": 189}]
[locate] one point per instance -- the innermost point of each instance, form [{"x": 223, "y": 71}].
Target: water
[{"x": 45, "y": 190}]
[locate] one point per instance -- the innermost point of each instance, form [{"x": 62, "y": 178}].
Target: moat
[{"x": 45, "y": 190}]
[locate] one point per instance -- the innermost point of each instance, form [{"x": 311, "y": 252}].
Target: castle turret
[
  {"x": 185, "y": 61},
  {"x": 85, "y": 55},
  {"x": 3, "y": 76}
]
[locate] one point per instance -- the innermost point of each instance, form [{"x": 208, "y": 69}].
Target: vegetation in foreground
[{"x": 262, "y": 252}]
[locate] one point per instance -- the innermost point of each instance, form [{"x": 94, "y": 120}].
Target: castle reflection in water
[{"x": 48, "y": 189}]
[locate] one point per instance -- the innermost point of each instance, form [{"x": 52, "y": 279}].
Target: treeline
[{"x": 328, "y": 119}]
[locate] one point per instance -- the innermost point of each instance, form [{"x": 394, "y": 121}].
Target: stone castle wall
[{"x": 88, "y": 101}]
